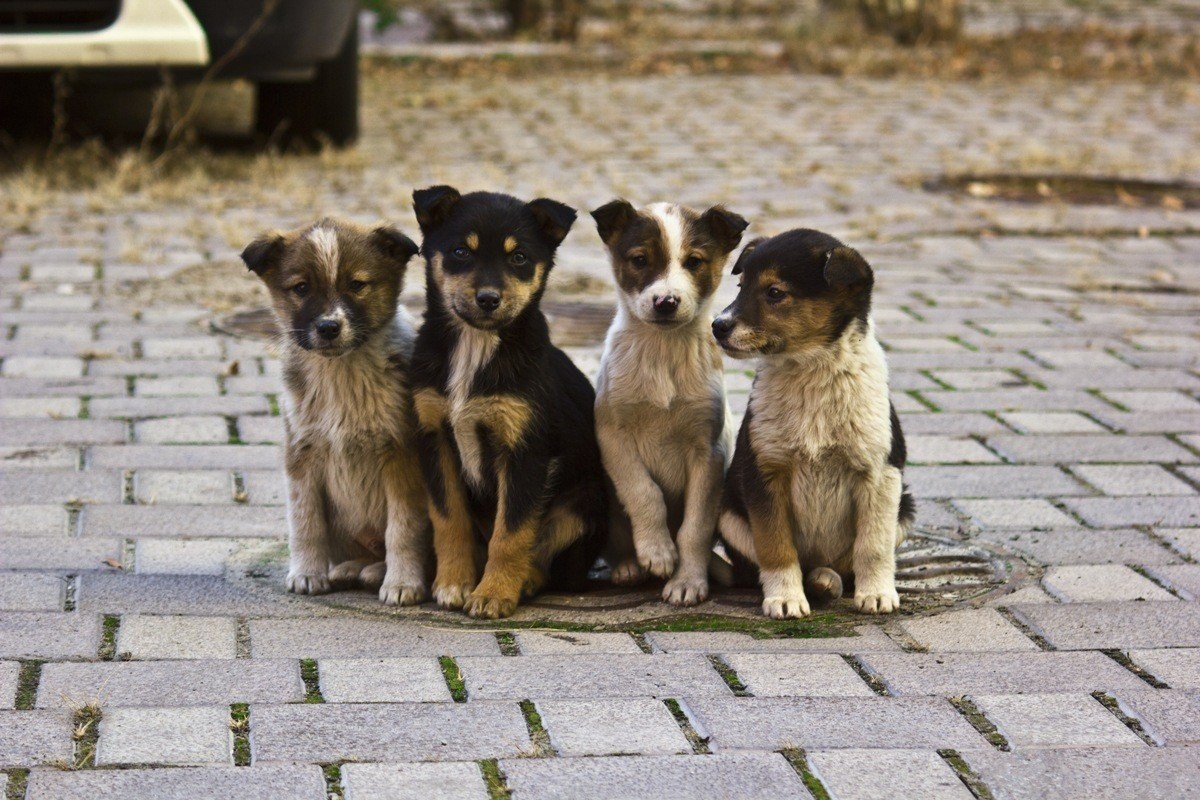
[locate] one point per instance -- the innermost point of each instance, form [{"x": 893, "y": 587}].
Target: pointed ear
[
  {"x": 393, "y": 244},
  {"x": 726, "y": 226},
  {"x": 844, "y": 267},
  {"x": 433, "y": 205},
  {"x": 612, "y": 219},
  {"x": 746, "y": 251},
  {"x": 554, "y": 218},
  {"x": 263, "y": 253}
]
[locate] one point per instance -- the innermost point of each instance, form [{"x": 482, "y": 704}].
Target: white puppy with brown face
[{"x": 661, "y": 418}]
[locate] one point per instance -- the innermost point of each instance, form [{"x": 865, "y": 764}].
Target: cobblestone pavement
[{"x": 1045, "y": 360}]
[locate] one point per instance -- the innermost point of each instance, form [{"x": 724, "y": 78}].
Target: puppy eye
[
  {"x": 518, "y": 258},
  {"x": 639, "y": 261},
  {"x": 693, "y": 262},
  {"x": 300, "y": 289},
  {"x": 461, "y": 252},
  {"x": 357, "y": 286},
  {"x": 776, "y": 294}
]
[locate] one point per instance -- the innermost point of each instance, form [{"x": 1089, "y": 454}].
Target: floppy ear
[
  {"x": 749, "y": 248},
  {"x": 612, "y": 218},
  {"x": 393, "y": 244},
  {"x": 263, "y": 253},
  {"x": 554, "y": 218},
  {"x": 844, "y": 267},
  {"x": 726, "y": 226},
  {"x": 433, "y": 205}
]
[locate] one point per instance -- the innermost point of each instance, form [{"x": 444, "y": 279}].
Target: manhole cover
[{"x": 1073, "y": 189}]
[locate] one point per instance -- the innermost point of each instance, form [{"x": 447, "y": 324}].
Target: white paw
[
  {"x": 881, "y": 602},
  {"x": 452, "y": 596},
  {"x": 686, "y": 590},
  {"x": 658, "y": 557},
  {"x": 395, "y": 593},
  {"x": 628, "y": 573},
  {"x": 791, "y": 606},
  {"x": 307, "y": 583}
]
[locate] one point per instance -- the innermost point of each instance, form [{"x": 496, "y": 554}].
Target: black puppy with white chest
[{"x": 507, "y": 435}]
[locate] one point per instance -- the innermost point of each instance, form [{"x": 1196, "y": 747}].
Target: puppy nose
[
  {"x": 666, "y": 306},
  {"x": 488, "y": 299},
  {"x": 329, "y": 328},
  {"x": 722, "y": 327}
]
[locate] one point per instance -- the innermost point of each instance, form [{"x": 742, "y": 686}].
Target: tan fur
[
  {"x": 431, "y": 409},
  {"x": 510, "y": 244},
  {"x": 473, "y": 241}
]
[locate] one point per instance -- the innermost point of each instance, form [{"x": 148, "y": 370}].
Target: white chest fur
[{"x": 473, "y": 351}]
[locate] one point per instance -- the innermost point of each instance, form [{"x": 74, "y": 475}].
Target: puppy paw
[
  {"x": 308, "y": 583},
  {"x": 481, "y": 606},
  {"x": 881, "y": 602},
  {"x": 659, "y": 558},
  {"x": 453, "y": 595},
  {"x": 533, "y": 584},
  {"x": 345, "y": 573},
  {"x": 792, "y": 606},
  {"x": 686, "y": 590},
  {"x": 372, "y": 575},
  {"x": 628, "y": 573},
  {"x": 395, "y": 593}
]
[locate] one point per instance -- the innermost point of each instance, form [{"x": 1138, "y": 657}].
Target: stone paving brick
[
  {"x": 41, "y": 367},
  {"x": 183, "y": 557},
  {"x": 9, "y": 675},
  {"x": 51, "y": 407},
  {"x": 992, "y": 481},
  {"x": 165, "y": 520},
  {"x": 58, "y": 553},
  {"x": 182, "y": 430},
  {"x": 871, "y": 774},
  {"x": 359, "y": 638},
  {"x": 1182, "y": 578},
  {"x": 786, "y": 675},
  {"x": 951, "y": 674},
  {"x": 36, "y": 592},
  {"x": 1131, "y": 479},
  {"x": 29, "y": 738},
  {"x": 176, "y": 386},
  {"x": 387, "y": 732},
  {"x": 1116, "y": 512},
  {"x": 1153, "y": 401},
  {"x": 382, "y": 680},
  {"x": 767, "y": 723},
  {"x": 244, "y": 456},
  {"x": 1102, "y": 626},
  {"x": 1109, "y": 582},
  {"x": 151, "y": 684},
  {"x": 949, "y": 423},
  {"x": 869, "y": 638},
  {"x": 47, "y": 635},
  {"x": 730, "y": 776},
  {"x": 1186, "y": 541},
  {"x": 157, "y": 368},
  {"x": 291, "y": 782},
  {"x": 624, "y": 726},
  {"x": 64, "y": 486},
  {"x": 147, "y": 407},
  {"x": 968, "y": 631},
  {"x": 120, "y": 592},
  {"x": 185, "y": 487},
  {"x": 1081, "y": 546},
  {"x": 148, "y": 637},
  {"x": 20, "y": 459},
  {"x": 1060, "y": 359},
  {"x": 1085, "y": 448},
  {"x": 584, "y": 644},
  {"x": 265, "y": 488},
  {"x": 33, "y": 432},
  {"x": 55, "y": 387},
  {"x": 33, "y": 520},
  {"x": 1170, "y": 716},
  {"x": 948, "y": 450},
  {"x": 1014, "y": 514},
  {"x": 598, "y": 676},
  {"x": 1178, "y": 668},
  {"x": 194, "y": 736},
  {"x": 1052, "y": 422},
  {"x": 978, "y": 378},
  {"x": 261, "y": 430},
  {"x": 1022, "y": 400},
  {"x": 1077, "y": 774},
  {"x": 193, "y": 347},
  {"x": 449, "y": 780},
  {"x": 1054, "y": 720}
]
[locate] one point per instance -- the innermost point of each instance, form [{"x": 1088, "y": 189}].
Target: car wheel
[{"x": 325, "y": 107}]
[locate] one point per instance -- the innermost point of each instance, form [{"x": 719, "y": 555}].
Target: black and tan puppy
[
  {"x": 356, "y": 500},
  {"x": 508, "y": 442},
  {"x": 814, "y": 495}
]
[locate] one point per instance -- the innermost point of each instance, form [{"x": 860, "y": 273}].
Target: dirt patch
[{"x": 1072, "y": 189}]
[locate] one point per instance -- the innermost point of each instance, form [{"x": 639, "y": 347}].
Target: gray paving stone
[
  {"x": 1148, "y": 422},
  {"x": 948, "y": 423},
  {"x": 261, "y": 430},
  {"x": 1054, "y": 720},
  {"x": 192, "y": 347},
  {"x": 387, "y": 732},
  {"x": 1184, "y": 540},
  {"x": 10, "y": 672},
  {"x": 265, "y": 488},
  {"x": 1132, "y": 479},
  {"x": 625, "y": 726},
  {"x": 382, "y": 680},
  {"x": 51, "y": 407},
  {"x": 184, "y": 487},
  {"x": 598, "y": 676},
  {"x": 33, "y": 520},
  {"x": 1182, "y": 578},
  {"x": 1052, "y": 422},
  {"x": 233, "y": 456},
  {"x": 1178, "y": 668},
  {"x": 967, "y": 631},
  {"x": 1017, "y": 513},
  {"x": 152, "y": 684},
  {"x": 30, "y": 738},
  {"x": 184, "y": 556},
  {"x": 195, "y": 736},
  {"x": 26, "y": 634},
  {"x": 1023, "y": 400},
  {"x": 730, "y": 776},
  {"x": 992, "y": 481},
  {"x": 291, "y": 782},
  {"x": 951, "y": 674},
  {"x": 948, "y": 450},
  {"x": 869, "y": 638},
  {"x": 768, "y": 723},
  {"x": 121, "y": 592},
  {"x": 449, "y": 780},
  {"x": 59, "y": 553},
  {"x": 564, "y": 643},
  {"x": 1099, "y": 626},
  {"x": 1082, "y": 773},
  {"x": 42, "y": 367},
  {"x": 54, "y": 387},
  {"x": 362, "y": 638},
  {"x": 176, "y": 386},
  {"x": 1080, "y": 546},
  {"x": 1153, "y": 401},
  {"x": 787, "y": 675},
  {"x": 183, "y": 520},
  {"x": 31, "y": 592},
  {"x": 64, "y": 486},
  {"x": 150, "y": 407},
  {"x": 36, "y": 432},
  {"x": 182, "y": 430},
  {"x": 148, "y": 637},
  {"x": 871, "y": 774},
  {"x": 1108, "y": 582},
  {"x": 1087, "y": 448},
  {"x": 19, "y": 459},
  {"x": 1170, "y": 716},
  {"x": 1115, "y": 512}
]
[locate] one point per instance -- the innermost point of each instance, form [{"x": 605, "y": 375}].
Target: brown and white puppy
[
  {"x": 356, "y": 499},
  {"x": 815, "y": 488},
  {"x": 664, "y": 427}
]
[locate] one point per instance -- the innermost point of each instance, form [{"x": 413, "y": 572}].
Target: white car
[{"x": 303, "y": 57}]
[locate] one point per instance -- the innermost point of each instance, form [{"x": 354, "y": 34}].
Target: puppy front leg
[
  {"x": 689, "y": 585},
  {"x": 406, "y": 539},
  {"x": 643, "y": 502},
  {"x": 874, "y": 557},
  {"x": 782, "y": 580},
  {"x": 308, "y": 530}
]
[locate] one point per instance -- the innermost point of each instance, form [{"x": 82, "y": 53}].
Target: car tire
[{"x": 322, "y": 109}]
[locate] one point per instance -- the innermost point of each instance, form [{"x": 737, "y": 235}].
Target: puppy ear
[
  {"x": 433, "y": 205},
  {"x": 393, "y": 244},
  {"x": 749, "y": 248},
  {"x": 554, "y": 218},
  {"x": 263, "y": 253},
  {"x": 844, "y": 267},
  {"x": 612, "y": 218},
  {"x": 726, "y": 226}
]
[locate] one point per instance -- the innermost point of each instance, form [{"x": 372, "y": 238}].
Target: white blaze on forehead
[
  {"x": 671, "y": 221},
  {"x": 325, "y": 246},
  {"x": 675, "y": 280}
]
